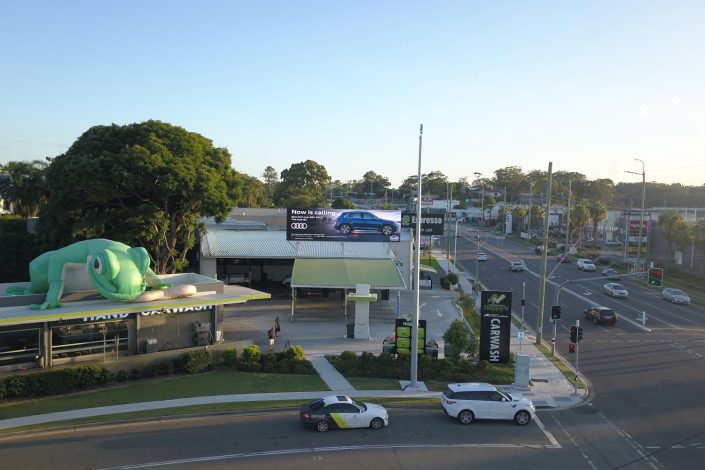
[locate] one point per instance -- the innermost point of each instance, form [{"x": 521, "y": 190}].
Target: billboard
[
  {"x": 352, "y": 225},
  {"x": 403, "y": 333},
  {"x": 495, "y": 326},
  {"x": 431, "y": 223},
  {"x": 633, "y": 235}
]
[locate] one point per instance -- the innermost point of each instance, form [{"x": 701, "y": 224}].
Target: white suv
[
  {"x": 516, "y": 266},
  {"x": 585, "y": 265},
  {"x": 475, "y": 400}
]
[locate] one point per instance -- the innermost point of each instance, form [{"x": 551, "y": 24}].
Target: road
[{"x": 648, "y": 380}]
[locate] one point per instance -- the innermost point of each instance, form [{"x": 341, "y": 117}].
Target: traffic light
[
  {"x": 573, "y": 334},
  {"x": 655, "y": 277},
  {"x": 555, "y": 312},
  {"x": 580, "y": 333}
]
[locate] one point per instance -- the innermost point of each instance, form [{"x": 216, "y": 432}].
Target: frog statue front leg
[{"x": 117, "y": 271}]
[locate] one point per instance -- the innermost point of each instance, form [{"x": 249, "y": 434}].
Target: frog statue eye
[{"x": 97, "y": 265}]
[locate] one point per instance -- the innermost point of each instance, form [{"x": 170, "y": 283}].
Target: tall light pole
[
  {"x": 415, "y": 325},
  {"x": 542, "y": 285},
  {"x": 482, "y": 197},
  {"x": 643, "y": 196}
]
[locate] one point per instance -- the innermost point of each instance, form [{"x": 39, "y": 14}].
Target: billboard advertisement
[
  {"x": 403, "y": 333},
  {"x": 352, "y": 225},
  {"x": 633, "y": 236},
  {"x": 431, "y": 223},
  {"x": 495, "y": 326}
]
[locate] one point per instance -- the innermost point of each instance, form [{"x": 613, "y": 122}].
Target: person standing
[{"x": 271, "y": 334}]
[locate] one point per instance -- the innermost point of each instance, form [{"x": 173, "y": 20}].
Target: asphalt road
[
  {"x": 419, "y": 437},
  {"x": 648, "y": 380}
]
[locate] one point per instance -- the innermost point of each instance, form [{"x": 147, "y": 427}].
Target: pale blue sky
[{"x": 589, "y": 86}]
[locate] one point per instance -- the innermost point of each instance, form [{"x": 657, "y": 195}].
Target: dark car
[
  {"x": 351, "y": 221},
  {"x": 601, "y": 315},
  {"x": 611, "y": 274},
  {"x": 563, "y": 258},
  {"x": 603, "y": 260}
]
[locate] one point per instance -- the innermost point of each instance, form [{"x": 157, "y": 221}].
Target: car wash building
[{"x": 88, "y": 327}]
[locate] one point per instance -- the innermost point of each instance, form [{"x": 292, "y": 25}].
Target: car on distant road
[
  {"x": 600, "y": 315},
  {"x": 364, "y": 221},
  {"x": 340, "y": 411},
  {"x": 585, "y": 265},
  {"x": 603, "y": 260},
  {"x": 675, "y": 296},
  {"x": 470, "y": 401},
  {"x": 516, "y": 266},
  {"x": 615, "y": 290},
  {"x": 613, "y": 243},
  {"x": 563, "y": 258},
  {"x": 611, "y": 274}
]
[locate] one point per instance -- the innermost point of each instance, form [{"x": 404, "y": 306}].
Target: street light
[
  {"x": 482, "y": 197},
  {"x": 643, "y": 196}
]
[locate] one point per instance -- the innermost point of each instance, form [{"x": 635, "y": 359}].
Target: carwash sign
[{"x": 495, "y": 326}]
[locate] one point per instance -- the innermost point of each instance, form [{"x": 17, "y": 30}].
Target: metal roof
[
  {"x": 346, "y": 273},
  {"x": 273, "y": 244}
]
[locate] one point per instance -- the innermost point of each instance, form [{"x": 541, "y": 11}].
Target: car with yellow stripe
[{"x": 342, "y": 412}]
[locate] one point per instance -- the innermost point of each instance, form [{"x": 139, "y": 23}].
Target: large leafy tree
[
  {"x": 254, "y": 192},
  {"x": 145, "y": 184},
  {"x": 23, "y": 184},
  {"x": 579, "y": 218},
  {"x": 675, "y": 229},
  {"x": 303, "y": 185}
]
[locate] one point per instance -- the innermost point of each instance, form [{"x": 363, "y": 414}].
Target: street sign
[{"x": 520, "y": 335}]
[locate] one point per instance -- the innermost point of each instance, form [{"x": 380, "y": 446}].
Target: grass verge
[{"x": 567, "y": 371}]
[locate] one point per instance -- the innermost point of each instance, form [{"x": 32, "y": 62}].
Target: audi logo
[{"x": 299, "y": 225}]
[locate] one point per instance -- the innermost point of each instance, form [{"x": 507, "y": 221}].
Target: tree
[
  {"x": 579, "y": 217},
  {"x": 145, "y": 184},
  {"x": 271, "y": 180},
  {"x": 254, "y": 193},
  {"x": 518, "y": 217},
  {"x": 697, "y": 234},
  {"x": 673, "y": 224},
  {"x": 537, "y": 214},
  {"x": 342, "y": 203},
  {"x": 458, "y": 336},
  {"x": 24, "y": 186},
  {"x": 598, "y": 213},
  {"x": 303, "y": 182}
]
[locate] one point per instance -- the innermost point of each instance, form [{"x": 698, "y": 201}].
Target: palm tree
[{"x": 598, "y": 213}]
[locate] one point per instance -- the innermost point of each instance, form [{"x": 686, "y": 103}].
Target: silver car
[
  {"x": 615, "y": 290},
  {"x": 675, "y": 296}
]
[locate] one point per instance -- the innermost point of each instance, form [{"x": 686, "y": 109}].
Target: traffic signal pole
[{"x": 577, "y": 358}]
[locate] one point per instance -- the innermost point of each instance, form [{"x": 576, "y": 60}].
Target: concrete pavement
[{"x": 321, "y": 333}]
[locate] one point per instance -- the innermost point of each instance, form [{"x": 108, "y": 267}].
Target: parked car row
[{"x": 465, "y": 401}]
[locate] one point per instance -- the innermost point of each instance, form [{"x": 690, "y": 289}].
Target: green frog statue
[{"x": 117, "y": 271}]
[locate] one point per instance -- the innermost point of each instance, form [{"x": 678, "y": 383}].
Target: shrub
[
  {"x": 295, "y": 353},
  {"x": 121, "y": 376},
  {"x": 452, "y": 278},
  {"x": 251, "y": 353},
  {"x": 196, "y": 361},
  {"x": 230, "y": 357},
  {"x": 458, "y": 335},
  {"x": 445, "y": 282}
]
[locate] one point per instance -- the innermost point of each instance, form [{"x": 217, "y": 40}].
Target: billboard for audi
[{"x": 343, "y": 225}]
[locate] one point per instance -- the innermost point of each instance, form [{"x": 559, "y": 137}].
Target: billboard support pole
[{"x": 417, "y": 250}]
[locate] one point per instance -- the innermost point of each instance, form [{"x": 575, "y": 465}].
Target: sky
[{"x": 587, "y": 86}]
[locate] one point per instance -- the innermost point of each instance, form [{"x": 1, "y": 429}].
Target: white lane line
[
  {"x": 550, "y": 437},
  {"x": 213, "y": 458}
]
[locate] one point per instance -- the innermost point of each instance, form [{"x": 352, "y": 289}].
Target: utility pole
[
  {"x": 567, "y": 221},
  {"x": 542, "y": 291},
  {"x": 415, "y": 326}
]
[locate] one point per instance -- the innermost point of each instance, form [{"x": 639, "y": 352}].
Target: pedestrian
[
  {"x": 277, "y": 328},
  {"x": 271, "y": 334}
]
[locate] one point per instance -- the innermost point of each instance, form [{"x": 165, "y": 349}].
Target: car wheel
[
  {"x": 387, "y": 230},
  {"x": 345, "y": 229},
  {"x": 377, "y": 423},
  {"x": 522, "y": 418},
  {"x": 466, "y": 417},
  {"x": 322, "y": 426}
]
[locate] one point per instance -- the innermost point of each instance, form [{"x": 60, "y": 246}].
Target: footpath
[{"x": 322, "y": 335}]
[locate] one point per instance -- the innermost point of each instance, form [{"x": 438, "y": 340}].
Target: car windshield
[
  {"x": 618, "y": 287},
  {"x": 360, "y": 405},
  {"x": 606, "y": 313},
  {"x": 677, "y": 292}
]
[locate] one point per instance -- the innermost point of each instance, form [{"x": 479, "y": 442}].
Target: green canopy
[{"x": 346, "y": 273}]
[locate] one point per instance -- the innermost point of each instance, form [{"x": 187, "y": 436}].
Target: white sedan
[
  {"x": 615, "y": 290},
  {"x": 482, "y": 256}
]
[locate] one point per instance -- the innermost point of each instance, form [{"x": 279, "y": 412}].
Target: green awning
[{"x": 346, "y": 273}]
